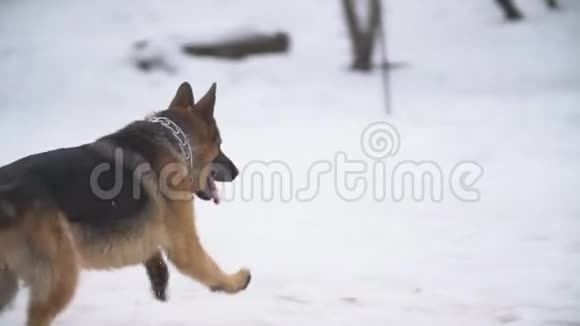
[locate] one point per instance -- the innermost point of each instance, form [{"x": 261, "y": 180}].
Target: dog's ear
[
  {"x": 183, "y": 98},
  {"x": 206, "y": 105}
]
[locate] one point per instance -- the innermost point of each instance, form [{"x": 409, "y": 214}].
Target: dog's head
[{"x": 210, "y": 164}]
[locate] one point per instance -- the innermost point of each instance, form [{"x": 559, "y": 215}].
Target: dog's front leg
[{"x": 188, "y": 255}]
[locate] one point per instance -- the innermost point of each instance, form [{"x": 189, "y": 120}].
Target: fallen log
[{"x": 241, "y": 47}]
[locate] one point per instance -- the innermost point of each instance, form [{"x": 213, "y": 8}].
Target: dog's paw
[
  {"x": 160, "y": 295},
  {"x": 246, "y": 278},
  {"x": 236, "y": 282}
]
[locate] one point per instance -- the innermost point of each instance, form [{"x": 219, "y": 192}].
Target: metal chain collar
[{"x": 179, "y": 135}]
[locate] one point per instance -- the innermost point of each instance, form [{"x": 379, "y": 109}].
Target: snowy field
[{"x": 473, "y": 89}]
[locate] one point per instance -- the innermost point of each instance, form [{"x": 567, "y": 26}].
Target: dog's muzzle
[{"x": 222, "y": 170}]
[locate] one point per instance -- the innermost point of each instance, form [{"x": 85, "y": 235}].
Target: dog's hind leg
[
  {"x": 158, "y": 276},
  {"x": 50, "y": 267},
  {"x": 8, "y": 287},
  {"x": 186, "y": 252}
]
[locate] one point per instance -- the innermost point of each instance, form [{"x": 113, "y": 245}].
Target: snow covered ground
[{"x": 474, "y": 88}]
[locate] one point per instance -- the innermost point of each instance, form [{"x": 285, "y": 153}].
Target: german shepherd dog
[{"x": 123, "y": 200}]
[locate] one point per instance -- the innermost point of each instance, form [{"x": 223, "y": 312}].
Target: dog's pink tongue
[
  {"x": 214, "y": 191},
  {"x": 215, "y": 196}
]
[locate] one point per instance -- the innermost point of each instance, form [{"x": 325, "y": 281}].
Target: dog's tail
[{"x": 8, "y": 287}]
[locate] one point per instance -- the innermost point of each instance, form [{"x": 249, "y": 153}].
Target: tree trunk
[
  {"x": 510, "y": 10},
  {"x": 362, "y": 39},
  {"x": 552, "y": 4}
]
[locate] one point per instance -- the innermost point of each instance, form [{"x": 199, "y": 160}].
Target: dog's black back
[{"x": 63, "y": 177}]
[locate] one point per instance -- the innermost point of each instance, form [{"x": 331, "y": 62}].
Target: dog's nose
[
  {"x": 235, "y": 171},
  {"x": 224, "y": 170},
  {"x": 224, "y": 173}
]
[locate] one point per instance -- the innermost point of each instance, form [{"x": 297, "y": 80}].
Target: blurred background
[{"x": 494, "y": 82}]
